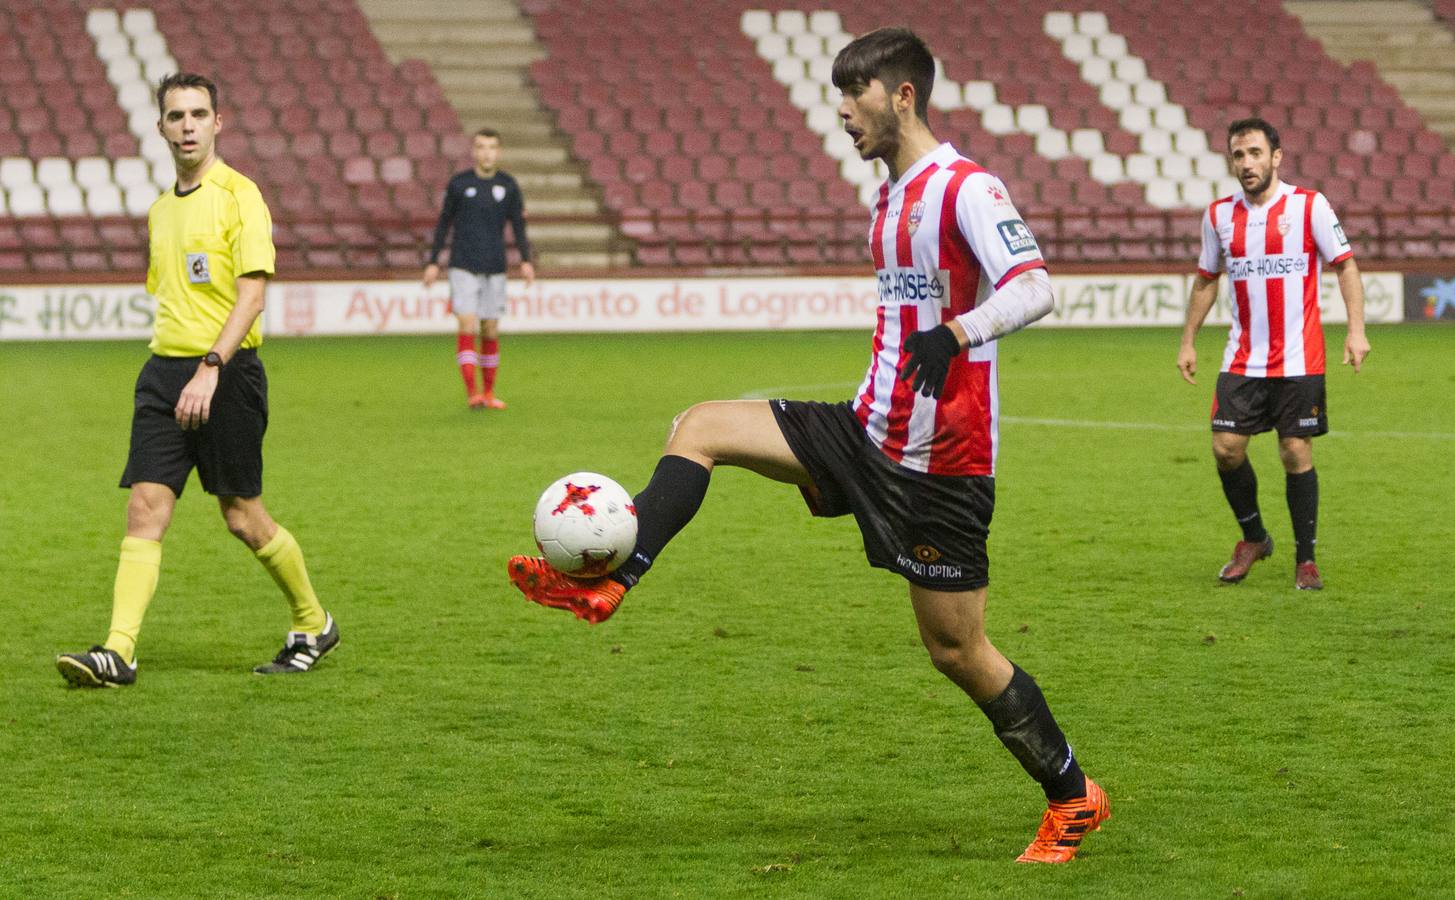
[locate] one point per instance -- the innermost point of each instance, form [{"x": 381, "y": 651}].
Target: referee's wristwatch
[{"x": 213, "y": 359}]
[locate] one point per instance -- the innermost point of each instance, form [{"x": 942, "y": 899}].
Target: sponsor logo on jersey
[
  {"x": 1243, "y": 267},
  {"x": 1284, "y": 225},
  {"x": 900, "y": 286},
  {"x": 997, "y": 195},
  {"x": 197, "y": 270},
  {"x": 1339, "y": 233},
  {"x": 498, "y": 192},
  {"x": 916, "y": 215},
  {"x": 471, "y": 191},
  {"x": 1016, "y": 235}
]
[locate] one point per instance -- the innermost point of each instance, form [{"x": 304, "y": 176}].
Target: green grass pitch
[{"x": 759, "y": 720}]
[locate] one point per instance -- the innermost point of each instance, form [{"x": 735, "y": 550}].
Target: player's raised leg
[
  {"x": 148, "y": 513},
  {"x": 952, "y": 626},
  {"x": 314, "y": 632},
  {"x": 741, "y": 433},
  {"x": 1301, "y": 482},
  {"x": 1240, "y": 486}
]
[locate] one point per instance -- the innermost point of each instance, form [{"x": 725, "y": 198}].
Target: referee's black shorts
[
  {"x": 227, "y": 451},
  {"x": 931, "y": 529}
]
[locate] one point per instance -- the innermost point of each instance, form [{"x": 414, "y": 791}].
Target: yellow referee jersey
[{"x": 200, "y": 243}]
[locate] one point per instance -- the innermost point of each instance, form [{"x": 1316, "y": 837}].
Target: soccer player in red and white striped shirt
[
  {"x": 912, "y": 456},
  {"x": 1271, "y": 238}
]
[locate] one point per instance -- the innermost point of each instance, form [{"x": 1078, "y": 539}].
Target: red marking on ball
[{"x": 577, "y": 495}]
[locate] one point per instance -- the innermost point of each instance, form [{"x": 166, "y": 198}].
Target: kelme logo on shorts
[
  {"x": 1016, "y": 235},
  {"x": 926, "y": 553}
]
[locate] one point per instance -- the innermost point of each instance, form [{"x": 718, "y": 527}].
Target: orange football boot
[
  {"x": 477, "y": 401},
  {"x": 1063, "y": 825},
  {"x": 592, "y": 599},
  {"x": 490, "y": 401}
]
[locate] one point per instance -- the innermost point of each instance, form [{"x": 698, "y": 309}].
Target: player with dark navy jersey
[{"x": 478, "y": 204}]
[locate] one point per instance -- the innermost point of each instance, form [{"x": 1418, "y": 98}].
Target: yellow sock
[
  {"x": 136, "y": 582},
  {"x": 283, "y": 559}
]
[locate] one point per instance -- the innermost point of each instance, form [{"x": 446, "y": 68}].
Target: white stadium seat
[
  {"x": 1059, "y": 24},
  {"x": 138, "y": 22},
  {"x": 772, "y": 46},
  {"x": 790, "y": 22},
  {"x": 1163, "y": 194},
  {"x": 806, "y": 46},
  {"x": 4, "y": 204},
  {"x": 1210, "y": 165},
  {"x": 789, "y": 69},
  {"x": 979, "y": 94},
  {"x": 839, "y": 145},
  {"x": 16, "y": 172},
  {"x": 153, "y": 147},
  {"x": 824, "y": 22},
  {"x": 836, "y": 42},
  {"x": 1078, "y": 47},
  {"x": 1095, "y": 70},
  {"x": 93, "y": 171},
  {"x": 136, "y": 95},
  {"x": 946, "y": 95},
  {"x": 997, "y": 118},
  {"x": 1191, "y": 141},
  {"x": 1227, "y": 186},
  {"x": 1032, "y": 118},
  {"x": 54, "y": 172},
  {"x": 163, "y": 174},
  {"x": 822, "y": 118},
  {"x": 65, "y": 200},
  {"x": 101, "y": 22},
  {"x": 1111, "y": 46},
  {"x": 806, "y": 93},
  {"x": 1197, "y": 192},
  {"x": 1131, "y": 70},
  {"x": 1149, "y": 93},
  {"x": 1091, "y": 24},
  {"x": 1115, "y": 94},
  {"x": 1107, "y": 169},
  {"x": 1170, "y": 117},
  {"x": 104, "y": 200},
  {"x": 132, "y": 172},
  {"x": 159, "y": 67},
  {"x": 821, "y": 70},
  {"x": 27, "y": 200},
  {"x": 1175, "y": 166},
  {"x": 122, "y": 70},
  {"x": 148, "y": 45},
  {"x": 1051, "y": 143},
  {"x": 113, "y": 46},
  {"x": 1134, "y": 118},
  {"x": 139, "y": 199},
  {"x": 1155, "y": 141},
  {"x": 1141, "y": 167},
  {"x": 757, "y": 22},
  {"x": 1087, "y": 143}
]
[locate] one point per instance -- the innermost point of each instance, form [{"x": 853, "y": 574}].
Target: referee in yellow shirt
[{"x": 202, "y": 398}]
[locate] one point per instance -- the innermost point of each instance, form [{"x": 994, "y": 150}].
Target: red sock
[
  {"x": 489, "y": 362},
  {"x": 465, "y": 356}
]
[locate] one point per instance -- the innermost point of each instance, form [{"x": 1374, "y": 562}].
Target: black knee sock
[
  {"x": 1024, "y": 724},
  {"x": 1303, "y": 508},
  {"x": 1240, "y": 486},
  {"x": 664, "y": 506}
]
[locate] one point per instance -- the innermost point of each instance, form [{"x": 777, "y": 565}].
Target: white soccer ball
[{"x": 585, "y": 525}]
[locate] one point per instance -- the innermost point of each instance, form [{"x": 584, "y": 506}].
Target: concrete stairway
[
  {"x": 480, "y": 52},
  {"x": 1410, "y": 48}
]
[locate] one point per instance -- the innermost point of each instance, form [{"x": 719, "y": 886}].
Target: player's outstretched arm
[
  {"x": 1199, "y": 304},
  {"x": 1351, "y": 288}
]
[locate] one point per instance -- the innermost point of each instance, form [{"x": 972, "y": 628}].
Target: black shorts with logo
[
  {"x": 1293, "y": 406},
  {"x": 931, "y": 529},
  {"x": 227, "y": 451}
]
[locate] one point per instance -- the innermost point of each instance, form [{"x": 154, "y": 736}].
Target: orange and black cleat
[
  {"x": 1245, "y": 553},
  {"x": 1063, "y": 825},
  {"x": 1306, "y": 577},
  {"x": 592, "y": 599}
]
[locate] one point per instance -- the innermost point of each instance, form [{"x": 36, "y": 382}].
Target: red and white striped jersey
[
  {"x": 1273, "y": 254},
  {"x": 944, "y": 237}
]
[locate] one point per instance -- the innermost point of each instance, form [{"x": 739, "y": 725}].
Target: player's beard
[
  {"x": 1261, "y": 186},
  {"x": 884, "y": 126}
]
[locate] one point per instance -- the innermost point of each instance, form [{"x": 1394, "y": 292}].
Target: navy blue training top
[{"x": 477, "y": 209}]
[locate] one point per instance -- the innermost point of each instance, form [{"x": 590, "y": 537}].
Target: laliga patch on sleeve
[
  {"x": 197, "y": 271},
  {"x": 1339, "y": 233},
  {"x": 1016, "y": 235}
]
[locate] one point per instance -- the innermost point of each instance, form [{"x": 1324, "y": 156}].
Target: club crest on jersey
[
  {"x": 197, "y": 270},
  {"x": 1283, "y": 225},
  {"x": 470, "y": 192},
  {"x": 498, "y": 192},
  {"x": 926, "y": 553},
  {"x": 916, "y": 215}
]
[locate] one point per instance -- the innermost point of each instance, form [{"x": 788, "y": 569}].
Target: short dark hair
[
  {"x": 184, "y": 80},
  {"x": 892, "y": 55},
  {"x": 488, "y": 132},
  {"x": 1253, "y": 123}
]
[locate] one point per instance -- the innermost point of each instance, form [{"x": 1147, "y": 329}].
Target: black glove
[{"x": 927, "y": 356}]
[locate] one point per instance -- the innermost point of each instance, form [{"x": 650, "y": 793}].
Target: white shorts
[{"x": 481, "y": 296}]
